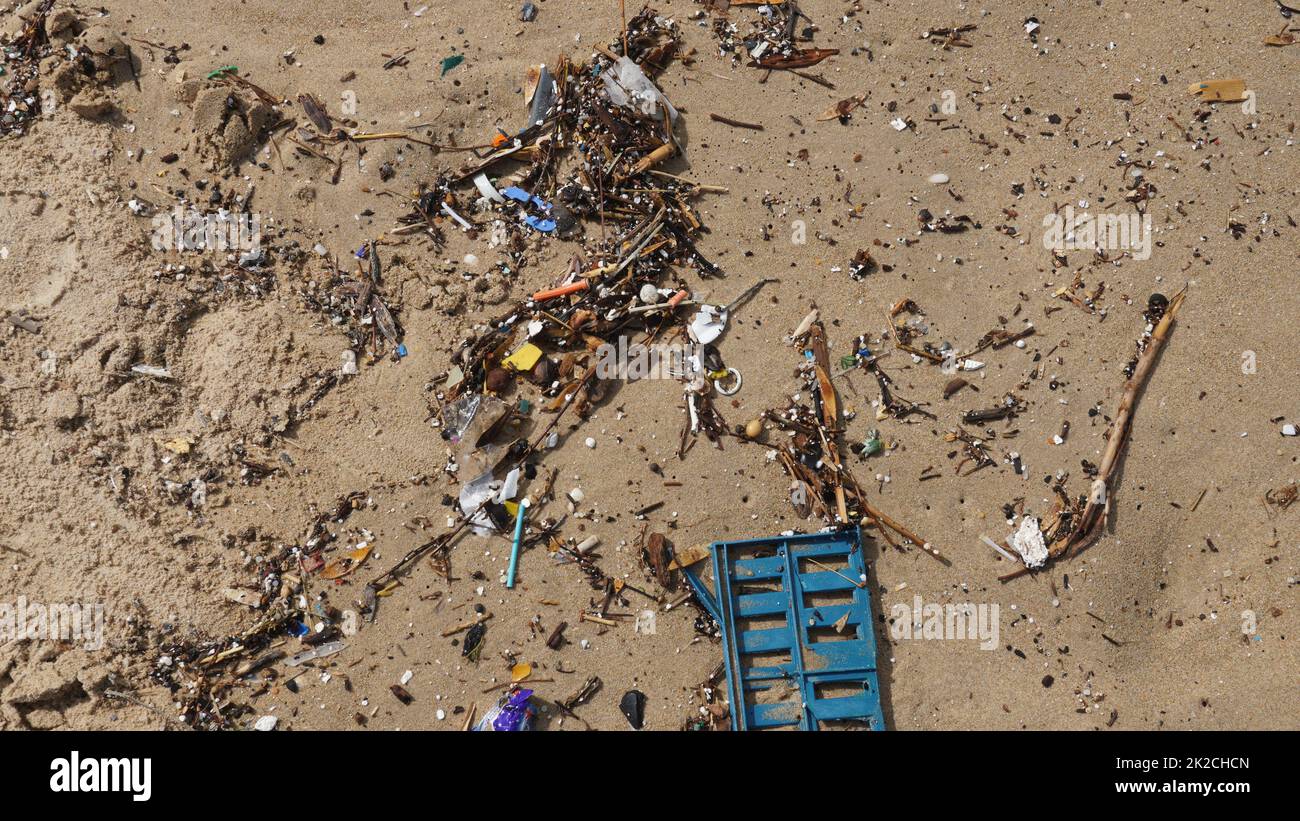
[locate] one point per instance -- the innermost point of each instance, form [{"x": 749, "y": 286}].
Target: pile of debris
[
  {"x": 773, "y": 40},
  {"x": 822, "y": 483},
  {"x": 22, "y": 51}
]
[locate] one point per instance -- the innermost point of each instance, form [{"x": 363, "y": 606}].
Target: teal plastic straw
[{"x": 519, "y": 537}]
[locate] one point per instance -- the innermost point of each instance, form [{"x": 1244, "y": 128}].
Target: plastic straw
[{"x": 519, "y": 537}]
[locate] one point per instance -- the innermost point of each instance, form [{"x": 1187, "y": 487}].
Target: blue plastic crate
[{"x": 778, "y": 601}]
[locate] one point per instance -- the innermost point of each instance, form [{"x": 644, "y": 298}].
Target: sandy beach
[{"x": 194, "y": 441}]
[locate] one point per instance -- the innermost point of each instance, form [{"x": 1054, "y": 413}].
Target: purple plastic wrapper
[
  {"x": 513, "y": 713},
  {"x": 516, "y": 713}
]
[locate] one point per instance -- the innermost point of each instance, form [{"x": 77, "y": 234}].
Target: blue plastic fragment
[
  {"x": 518, "y": 194},
  {"x": 448, "y": 63},
  {"x": 544, "y": 223},
  {"x": 814, "y": 583},
  {"x": 401, "y": 351}
]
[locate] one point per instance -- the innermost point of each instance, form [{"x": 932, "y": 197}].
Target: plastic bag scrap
[
  {"x": 543, "y": 98},
  {"x": 708, "y": 323},
  {"x": 513, "y": 713},
  {"x": 472, "y": 498},
  {"x": 627, "y": 85},
  {"x": 457, "y": 416},
  {"x": 509, "y": 488}
]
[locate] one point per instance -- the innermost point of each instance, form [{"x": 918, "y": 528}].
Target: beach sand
[{"x": 1180, "y": 616}]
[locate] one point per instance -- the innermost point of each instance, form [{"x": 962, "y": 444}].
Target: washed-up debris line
[
  {"x": 205, "y": 675},
  {"x": 592, "y": 149},
  {"x": 356, "y": 302},
  {"x": 907, "y": 333}
]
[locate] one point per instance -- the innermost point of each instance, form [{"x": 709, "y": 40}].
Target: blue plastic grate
[{"x": 797, "y": 630}]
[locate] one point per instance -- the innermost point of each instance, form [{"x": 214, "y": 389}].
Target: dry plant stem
[
  {"x": 139, "y": 703},
  {"x": 880, "y": 517}
]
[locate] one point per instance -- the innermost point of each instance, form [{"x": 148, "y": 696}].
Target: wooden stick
[
  {"x": 718, "y": 118},
  {"x": 467, "y": 625},
  {"x": 166, "y": 718}
]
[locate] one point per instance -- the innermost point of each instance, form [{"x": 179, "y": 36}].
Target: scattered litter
[
  {"x": 448, "y": 63},
  {"x": 322, "y": 651}
]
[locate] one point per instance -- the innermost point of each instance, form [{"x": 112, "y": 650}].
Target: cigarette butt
[
  {"x": 660, "y": 154},
  {"x": 563, "y": 290},
  {"x": 676, "y": 299}
]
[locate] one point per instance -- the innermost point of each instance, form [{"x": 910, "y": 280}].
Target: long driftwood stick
[{"x": 1094, "y": 513}]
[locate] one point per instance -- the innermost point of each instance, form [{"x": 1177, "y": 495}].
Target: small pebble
[{"x": 938, "y": 179}]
